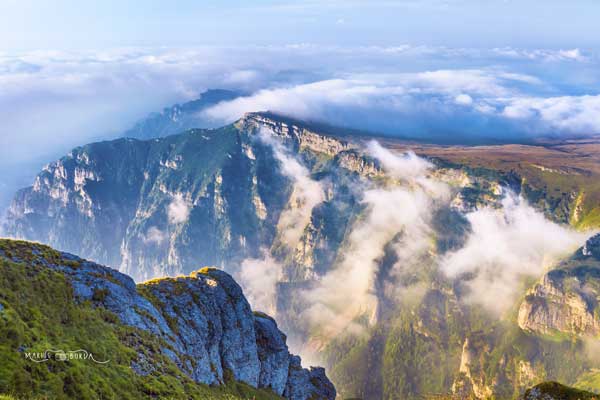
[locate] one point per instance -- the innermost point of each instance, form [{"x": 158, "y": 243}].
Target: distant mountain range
[{"x": 180, "y": 117}]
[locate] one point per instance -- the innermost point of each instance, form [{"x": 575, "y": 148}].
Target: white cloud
[
  {"x": 178, "y": 210},
  {"x": 572, "y": 114},
  {"x": 402, "y": 209},
  {"x": 505, "y": 246},
  {"x": 463, "y": 99},
  {"x": 405, "y": 166},
  {"x": 154, "y": 235},
  {"x": 306, "y": 193},
  {"x": 259, "y": 277}
]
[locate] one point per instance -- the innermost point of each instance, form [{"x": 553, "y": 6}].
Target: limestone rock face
[
  {"x": 468, "y": 383},
  {"x": 565, "y": 299},
  {"x": 204, "y": 323}
]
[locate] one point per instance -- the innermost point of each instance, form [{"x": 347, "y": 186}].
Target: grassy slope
[
  {"x": 39, "y": 313},
  {"x": 556, "y": 176}
]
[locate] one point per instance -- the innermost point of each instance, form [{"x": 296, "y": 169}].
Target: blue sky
[
  {"x": 72, "y": 72},
  {"x": 72, "y": 24}
]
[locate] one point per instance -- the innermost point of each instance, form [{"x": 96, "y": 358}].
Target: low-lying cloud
[
  {"x": 306, "y": 192},
  {"x": 399, "y": 213},
  {"x": 506, "y": 243},
  {"x": 178, "y": 210},
  {"x": 475, "y": 104},
  {"x": 259, "y": 277},
  {"x": 505, "y": 246}
]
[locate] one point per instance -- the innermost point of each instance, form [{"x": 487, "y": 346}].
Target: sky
[
  {"x": 72, "y": 72},
  {"x": 72, "y": 24}
]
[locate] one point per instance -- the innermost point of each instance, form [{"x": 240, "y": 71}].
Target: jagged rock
[
  {"x": 565, "y": 300},
  {"x": 296, "y": 131},
  {"x": 469, "y": 384},
  {"x": 592, "y": 247},
  {"x": 272, "y": 353},
  {"x": 303, "y": 383}
]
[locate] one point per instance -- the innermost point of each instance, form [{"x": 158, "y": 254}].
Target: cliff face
[
  {"x": 566, "y": 300},
  {"x": 152, "y": 208},
  {"x": 201, "y": 323}
]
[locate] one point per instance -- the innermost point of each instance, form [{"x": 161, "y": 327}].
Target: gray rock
[
  {"x": 306, "y": 384},
  {"x": 272, "y": 353},
  {"x": 592, "y": 247}
]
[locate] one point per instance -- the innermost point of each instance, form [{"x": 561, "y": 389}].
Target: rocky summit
[{"x": 186, "y": 337}]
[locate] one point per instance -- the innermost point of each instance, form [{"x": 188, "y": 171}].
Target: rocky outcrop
[
  {"x": 470, "y": 383},
  {"x": 566, "y": 299},
  {"x": 592, "y": 247},
  {"x": 556, "y": 391},
  {"x": 203, "y": 322},
  {"x": 303, "y": 137}
]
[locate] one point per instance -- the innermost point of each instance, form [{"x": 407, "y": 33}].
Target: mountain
[
  {"x": 154, "y": 208},
  {"x": 556, "y": 391},
  {"x": 192, "y": 337},
  {"x": 171, "y": 120},
  {"x": 354, "y": 247},
  {"x": 180, "y": 117}
]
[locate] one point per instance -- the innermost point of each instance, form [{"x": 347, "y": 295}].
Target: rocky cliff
[
  {"x": 201, "y": 325},
  {"x": 566, "y": 300}
]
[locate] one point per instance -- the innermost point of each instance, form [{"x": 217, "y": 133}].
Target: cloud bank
[
  {"x": 447, "y": 105},
  {"x": 51, "y": 101},
  {"x": 505, "y": 246}
]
